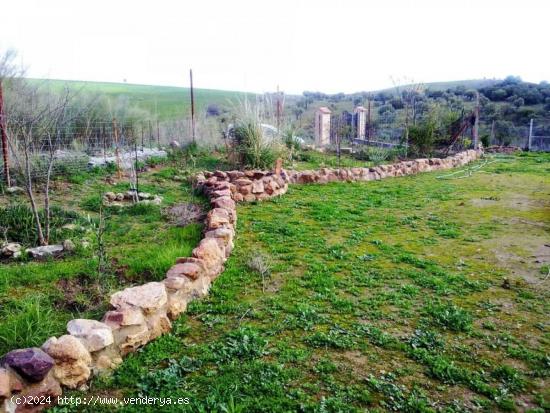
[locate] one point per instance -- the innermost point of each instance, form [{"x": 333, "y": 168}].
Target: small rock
[
  {"x": 144, "y": 195},
  {"x": 68, "y": 245},
  {"x": 11, "y": 249},
  {"x": 31, "y": 363},
  {"x": 45, "y": 251},
  {"x": 93, "y": 334},
  {"x": 110, "y": 196},
  {"x": 12, "y": 190}
]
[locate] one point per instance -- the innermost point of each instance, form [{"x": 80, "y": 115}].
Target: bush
[
  {"x": 253, "y": 150},
  {"x": 422, "y": 138}
]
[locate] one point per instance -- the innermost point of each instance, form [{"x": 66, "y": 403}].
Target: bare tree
[{"x": 35, "y": 123}]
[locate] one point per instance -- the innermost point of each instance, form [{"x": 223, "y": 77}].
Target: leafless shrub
[
  {"x": 184, "y": 214},
  {"x": 261, "y": 264}
]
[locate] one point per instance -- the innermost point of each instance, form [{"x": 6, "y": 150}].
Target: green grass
[
  {"x": 169, "y": 102},
  {"x": 368, "y": 306},
  {"x": 38, "y": 298}
]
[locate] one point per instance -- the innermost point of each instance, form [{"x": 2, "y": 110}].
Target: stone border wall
[{"x": 141, "y": 314}]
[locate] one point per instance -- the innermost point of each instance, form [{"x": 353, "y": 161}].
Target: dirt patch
[
  {"x": 184, "y": 214},
  {"x": 79, "y": 294}
]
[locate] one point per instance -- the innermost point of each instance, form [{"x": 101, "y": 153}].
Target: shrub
[{"x": 253, "y": 150}]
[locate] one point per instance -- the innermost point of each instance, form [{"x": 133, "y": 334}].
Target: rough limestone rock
[
  {"x": 257, "y": 187},
  {"x": 11, "y": 249},
  {"x": 124, "y": 317},
  {"x": 158, "y": 323},
  {"x": 109, "y": 196},
  {"x": 129, "y": 327},
  {"x": 45, "y": 251},
  {"x": 93, "y": 334},
  {"x": 210, "y": 252},
  {"x": 187, "y": 269},
  {"x": 224, "y": 202},
  {"x": 5, "y": 383},
  {"x": 218, "y": 218},
  {"x": 46, "y": 389},
  {"x": 72, "y": 360},
  {"x": 149, "y": 297},
  {"x": 221, "y": 192},
  {"x": 32, "y": 363},
  {"x": 68, "y": 245}
]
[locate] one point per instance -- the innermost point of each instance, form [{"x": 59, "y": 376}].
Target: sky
[{"x": 329, "y": 46}]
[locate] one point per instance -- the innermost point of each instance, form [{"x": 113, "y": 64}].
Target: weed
[{"x": 450, "y": 316}]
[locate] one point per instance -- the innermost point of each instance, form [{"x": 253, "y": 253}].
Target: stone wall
[{"x": 141, "y": 314}]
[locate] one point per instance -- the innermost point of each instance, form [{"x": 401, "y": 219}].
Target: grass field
[
  {"x": 412, "y": 294},
  {"x": 169, "y": 102},
  {"x": 37, "y": 299}
]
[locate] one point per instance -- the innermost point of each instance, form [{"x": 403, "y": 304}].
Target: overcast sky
[{"x": 330, "y": 46}]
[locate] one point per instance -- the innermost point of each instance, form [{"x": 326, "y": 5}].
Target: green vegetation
[
  {"x": 380, "y": 296},
  {"x": 38, "y": 298},
  {"x": 168, "y": 102}
]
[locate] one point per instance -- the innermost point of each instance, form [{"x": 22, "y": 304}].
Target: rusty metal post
[
  {"x": 5, "y": 152},
  {"x": 192, "y": 106}
]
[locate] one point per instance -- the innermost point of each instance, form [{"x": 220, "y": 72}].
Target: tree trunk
[{"x": 34, "y": 209}]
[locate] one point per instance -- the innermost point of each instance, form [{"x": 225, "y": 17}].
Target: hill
[{"x": 169, "y": 102}]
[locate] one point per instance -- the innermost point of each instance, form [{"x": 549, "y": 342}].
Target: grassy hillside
[
  {"x": 468, "y": 84},
  {"x": 168, "y": 101}
]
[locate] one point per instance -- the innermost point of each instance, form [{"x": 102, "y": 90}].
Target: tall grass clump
[
  {"x": 252, "y": 147},
  {"x": 18, "y": 223},
  {"x": 28, "y": 323}
]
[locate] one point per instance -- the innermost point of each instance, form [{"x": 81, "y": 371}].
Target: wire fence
[{"x": 75, "y": 148}]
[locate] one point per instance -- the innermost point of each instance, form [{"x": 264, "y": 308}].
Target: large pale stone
[
  {"x": 150, "y": 297},
  {"x": 217, "y": 218},
  {"x": 245, "y": 189},
  {"x": 257, "y": 187},
  {"x": 128, "y": 316},
  {"x": 224, "y": 202},
  {"x": 158, "y": 324},
  {"x": 221, "y": 192},
  {"x": 72, "y": 360},
  {"x": 187, "y": 269},
  {"x": 93, "y": 334},
  {"x": 46, "y": 389},
  {"x": 177, "y": 303},
  {"x": 209, "y": 251},
  {"x": 32, "y": 363},
  {"x": 45, "y": 251}
]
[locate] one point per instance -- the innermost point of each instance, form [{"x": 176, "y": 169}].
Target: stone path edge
[{"x": 140, "y": 314}]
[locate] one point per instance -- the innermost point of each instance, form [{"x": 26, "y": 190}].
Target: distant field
[{"x": 168, "y": 101}]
